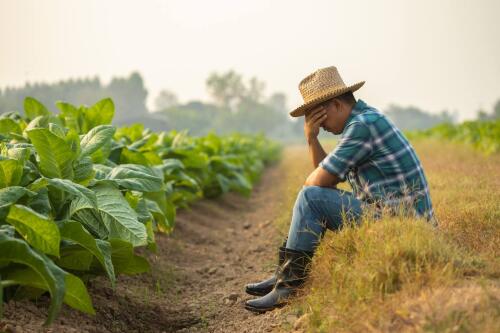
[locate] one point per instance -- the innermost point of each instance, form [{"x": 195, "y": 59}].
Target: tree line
[{"x": 236, "y": 105}]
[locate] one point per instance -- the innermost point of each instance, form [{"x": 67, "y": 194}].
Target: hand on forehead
[{"x": 315, "y": 109}]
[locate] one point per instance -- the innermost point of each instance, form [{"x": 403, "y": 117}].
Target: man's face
[{"x": 334, "y": 122}]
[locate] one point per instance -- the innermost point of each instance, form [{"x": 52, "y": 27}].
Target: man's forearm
[{"x": 316, "y": 152}]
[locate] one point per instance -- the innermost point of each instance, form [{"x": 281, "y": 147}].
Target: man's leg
[{"x": 316, "y": 209}]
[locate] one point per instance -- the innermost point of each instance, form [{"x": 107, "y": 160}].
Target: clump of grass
[{"x": 359, "y": 267}]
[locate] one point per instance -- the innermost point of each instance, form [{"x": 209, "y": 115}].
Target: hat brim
[{"x": 301, "y": 110}]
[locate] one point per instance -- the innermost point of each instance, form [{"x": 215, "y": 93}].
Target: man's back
[{"x": 379, "y": 162}]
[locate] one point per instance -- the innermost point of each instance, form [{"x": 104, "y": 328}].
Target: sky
[{"x": 432, "y": 54}]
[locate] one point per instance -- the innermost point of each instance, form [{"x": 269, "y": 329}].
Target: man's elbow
[{"x": 315, "y": 179}]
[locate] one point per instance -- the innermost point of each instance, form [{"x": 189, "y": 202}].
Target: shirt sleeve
[{"x": 353, "y": 148}]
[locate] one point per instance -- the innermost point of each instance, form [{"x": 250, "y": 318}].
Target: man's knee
[{"x": 312, "y": 192}]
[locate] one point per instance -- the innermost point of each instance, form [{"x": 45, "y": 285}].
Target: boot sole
[{"x": 263, "y": 310}]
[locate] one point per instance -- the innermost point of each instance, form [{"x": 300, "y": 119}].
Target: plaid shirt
[{"x": 379, "y": 163}]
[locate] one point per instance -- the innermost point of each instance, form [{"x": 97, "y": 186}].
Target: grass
[{"x": 398, "y": 274}]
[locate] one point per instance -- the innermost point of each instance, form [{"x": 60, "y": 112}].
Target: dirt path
[{"x": 198, "y": 275}]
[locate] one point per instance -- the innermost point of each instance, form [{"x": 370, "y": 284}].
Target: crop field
[
  {"x": 79, "y": 195},
  {"x": 123, "y": 229}
]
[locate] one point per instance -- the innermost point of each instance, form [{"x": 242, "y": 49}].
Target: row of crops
[
  {"x": 78, "y": 196},
  {"x": 482, "y": 135}
]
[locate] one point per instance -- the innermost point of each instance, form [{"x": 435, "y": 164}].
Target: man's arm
[
  {"x": 319, "y": 177},
  {"x": 323, "y": 178},
  {"x": 316, "y": 151}
]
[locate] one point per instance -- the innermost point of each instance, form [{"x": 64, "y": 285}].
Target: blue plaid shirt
[{"x": 380, "y": 164}]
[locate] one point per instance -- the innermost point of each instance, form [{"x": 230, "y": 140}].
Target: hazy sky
[{"x": 432, "y": 54}]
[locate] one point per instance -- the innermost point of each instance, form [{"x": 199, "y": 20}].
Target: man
[{"x": 372, "y": 154}]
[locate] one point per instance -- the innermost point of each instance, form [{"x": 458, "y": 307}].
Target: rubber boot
[
  {"x": 291, "y": 276},
  {"x": 264, "y": 287}
]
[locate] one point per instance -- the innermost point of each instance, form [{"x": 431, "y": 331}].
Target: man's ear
[{"x": 338, "y": 105}]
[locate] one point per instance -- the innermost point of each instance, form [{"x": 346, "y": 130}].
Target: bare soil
[{"x": 198, "y": 274}]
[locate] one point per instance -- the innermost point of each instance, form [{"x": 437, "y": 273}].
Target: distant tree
[
  {"x": 496, "y": 110},
  {"x": 277, "y": 101},
  {"x": 485, "y": 116},
  {"x": 165, "y": 99},
  {"x": 226, "y": 89},
  {"x": 255, "y": 90},
  {"x": 129, "y": 95},
  {"x": 410, "y": 118}
]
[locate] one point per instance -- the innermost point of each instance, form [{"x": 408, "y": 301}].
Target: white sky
[{"x": 429, "y": 53}]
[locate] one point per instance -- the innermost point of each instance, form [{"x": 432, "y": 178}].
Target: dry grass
[{"x": 401, "y": 275}]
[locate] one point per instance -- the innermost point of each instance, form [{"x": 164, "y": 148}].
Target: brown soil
[{"x": 198, "y": 274}]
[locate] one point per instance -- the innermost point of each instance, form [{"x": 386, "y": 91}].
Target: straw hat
[{"x": 323, "y": 84}]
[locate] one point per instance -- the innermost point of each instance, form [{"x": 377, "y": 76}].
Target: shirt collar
[{"x": 358, "y": 108}]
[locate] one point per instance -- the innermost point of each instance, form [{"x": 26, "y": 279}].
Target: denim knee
[{"x": 313, "y": 192}]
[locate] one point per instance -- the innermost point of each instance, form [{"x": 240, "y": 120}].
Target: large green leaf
[
  {"x": 38, "y": 231},
  {"x": 71, "y": 115},
  {"x": 9, "y": 126},
  {"x": 101, "y": 250},
  {"x": 33, "y": 108},
  {"x": 136, "y": 177},
  {"x": 56, "y": 155},
  {"x": 114, "y": 213},
  {"x": 125, "y": 260},
  {"x": 18, "y": 251},
  {"x": 100, "y": 113},
  {"x": 11, "y": 172},
  {"x": 11, "y": 195},
  {"x": 84, "y": 171},
  {"x": 96, "y": 138},
  {"x": 75, "y": 294},
  {"x": 65, "y": 185}
]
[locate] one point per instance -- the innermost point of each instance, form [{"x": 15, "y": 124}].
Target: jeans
[{"x": 317, "y": 209}]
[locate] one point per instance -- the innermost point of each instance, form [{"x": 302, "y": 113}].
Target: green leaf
[
  {"x": 113, "y": 212},
  {"x": 11, "y": 172},
  {"x": 101, "y": 250},
  {"x": 136, "y": 177},
  {"x": 84, "y": 170},
  {"x": 96, "y": 138},
  {"x": 71, "y": 115},
  {"x": 166, "y": 220},
  {"x": 56, "y": 156},
  {"x": 65, "y": 185},
  {"x": 8, "y": 126},
  {"x": 33, "y": 108},
  {"x": 18, "y": 251},
  {"x": 74, "y": 257},
  {"x": 125, "y": 260},
  {"x": 36, "y": 229},
  {"x": 11, "y": 195},
  {"x": 100, "y": 113},
  {"x": 75, "y": 294}
]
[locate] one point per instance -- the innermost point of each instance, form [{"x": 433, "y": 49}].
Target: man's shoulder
[{"x": 368, "y": 115}]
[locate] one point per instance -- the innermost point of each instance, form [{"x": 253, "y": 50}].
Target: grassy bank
[{"x": 402, "y": 275}]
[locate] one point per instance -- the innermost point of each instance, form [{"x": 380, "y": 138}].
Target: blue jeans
[{"x": 317, "y": 209}]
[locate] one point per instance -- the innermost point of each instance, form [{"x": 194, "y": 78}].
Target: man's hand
[{"x": 313, "y": 120}]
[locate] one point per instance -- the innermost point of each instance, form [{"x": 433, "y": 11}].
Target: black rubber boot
[
  {"x": 264, "y": 287},
  {"x": 291, "y": 276}
]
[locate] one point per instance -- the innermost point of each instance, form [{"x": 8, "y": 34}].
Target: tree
[
  {"x": 226, "y": 89},
  {"x": 496, "y": 110},
  {"x": 165, "y": 99},
  {"x": 277, "y": 102}
]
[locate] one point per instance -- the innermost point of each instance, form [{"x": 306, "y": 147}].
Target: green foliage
[
  {"x": 78, "y": 196},
  {"x": 482, "y": 135}
]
